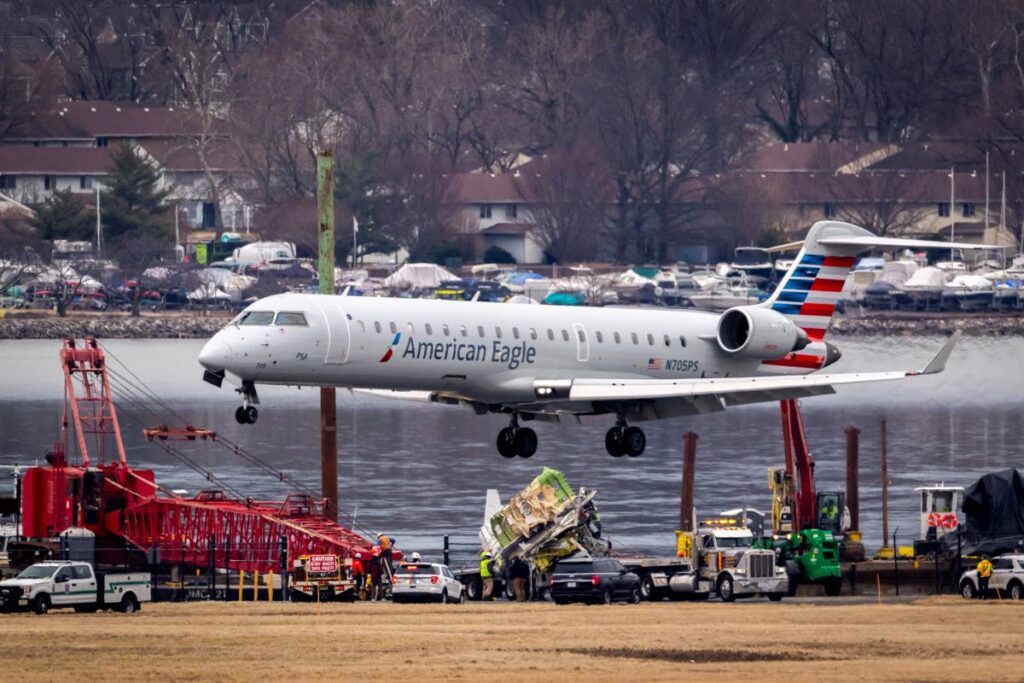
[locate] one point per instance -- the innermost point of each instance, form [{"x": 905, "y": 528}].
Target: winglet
[{"x": 938, "y": 363}]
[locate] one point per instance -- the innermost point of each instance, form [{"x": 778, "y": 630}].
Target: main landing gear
[
  {"x": 515, "y": 440},
  {"x": 624, "y": 440},
  {"x": 247, "y": 413}
]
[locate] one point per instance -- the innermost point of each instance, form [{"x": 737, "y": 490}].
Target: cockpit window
[
  {"x": 290, "y": 318},
  {"x": 257, "y": 318}
]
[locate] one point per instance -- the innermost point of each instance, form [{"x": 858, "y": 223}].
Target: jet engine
[{"x": 755, "y": 332}]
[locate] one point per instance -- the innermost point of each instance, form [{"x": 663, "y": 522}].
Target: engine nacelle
[{"x": 755, "y": 332}]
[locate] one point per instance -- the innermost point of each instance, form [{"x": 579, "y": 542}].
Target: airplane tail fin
[{"x": 811, "y": 288}]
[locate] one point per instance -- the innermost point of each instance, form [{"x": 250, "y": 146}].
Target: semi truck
[
  {"x": 51, "y": 585},
  {"x": 718, "y": 559}
]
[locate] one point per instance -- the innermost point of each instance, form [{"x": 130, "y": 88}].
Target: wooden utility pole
[
  {"x": 885, "y": 490},
  {"x": 686, "y": 496},
  {"x": 325, "y": 268}
]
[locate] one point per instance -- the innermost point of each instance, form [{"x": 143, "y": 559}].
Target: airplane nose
[{"x": 216, "y": 355}]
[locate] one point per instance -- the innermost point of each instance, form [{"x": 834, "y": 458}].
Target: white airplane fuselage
[{"x": 484, "y": 352}]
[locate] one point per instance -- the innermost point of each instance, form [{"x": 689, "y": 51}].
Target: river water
[{"x": 420, "y": 471}]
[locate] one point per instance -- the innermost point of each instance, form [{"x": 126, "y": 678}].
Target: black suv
[{"x": 599, "y": 580}]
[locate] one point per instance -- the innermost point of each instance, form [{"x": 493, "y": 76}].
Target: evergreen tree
[
  {"x": 63, "y": 217},
  {"x": 132, "y": 204}
]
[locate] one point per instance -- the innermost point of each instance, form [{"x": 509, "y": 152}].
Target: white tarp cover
[
  {"x": 897, "y": 272},
  {"x": 209, "y": 292},
  {"x": 261, "y": 252},
  {"x": 974, "y": 283},
  {"x": 926, "y": 278},
  {"x": 418, "y": 276}
]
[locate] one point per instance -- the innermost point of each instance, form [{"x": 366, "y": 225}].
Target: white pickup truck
[{"x": 49, "y": 585}]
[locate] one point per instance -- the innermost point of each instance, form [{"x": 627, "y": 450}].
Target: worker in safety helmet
[
  {"x": 486, "y": 575},
  {"x": 386, "y": 560},
  {"x": 374, "y": 571},
  {"x": 984, "y": 574},
  {"x": 358, "y": 573}
]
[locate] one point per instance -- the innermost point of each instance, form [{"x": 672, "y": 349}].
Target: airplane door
[
  {"x": 582, "y": 342},
  {"x": 339, "y": 336}
]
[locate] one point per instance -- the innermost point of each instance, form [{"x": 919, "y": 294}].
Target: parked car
[
  {"x": 598, "y": 580},
  {"x": 426, "y": 582},
  {"x": 1007, "y": 577}
]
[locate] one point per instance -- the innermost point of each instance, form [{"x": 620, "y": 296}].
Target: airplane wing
[{"x": 742, "y": 389}]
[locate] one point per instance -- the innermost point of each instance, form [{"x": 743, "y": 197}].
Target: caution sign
[{"x": 322, "y": 564}]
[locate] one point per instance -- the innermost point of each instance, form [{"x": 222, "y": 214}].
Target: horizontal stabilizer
[{"x": 870, "y": 241}]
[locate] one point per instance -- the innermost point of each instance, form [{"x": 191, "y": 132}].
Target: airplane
[{"x": 548, "y": 362}]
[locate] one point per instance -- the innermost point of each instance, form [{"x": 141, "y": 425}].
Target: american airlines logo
[
  {"x": 391, "y": 349},
  {"x": 495, "y": 352}
]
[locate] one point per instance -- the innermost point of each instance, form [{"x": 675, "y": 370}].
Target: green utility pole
[{"x": 325, "y": 266}]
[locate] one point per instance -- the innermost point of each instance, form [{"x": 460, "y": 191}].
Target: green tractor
[{"x": 810, "y": 556}]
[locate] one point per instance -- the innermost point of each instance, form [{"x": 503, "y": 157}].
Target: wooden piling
[
  {"x": 686, "y": 496},
  {"x": 325, "y": 268},
  {"x": 852, "y": 481},
  {"x": 885, "y": 489}
]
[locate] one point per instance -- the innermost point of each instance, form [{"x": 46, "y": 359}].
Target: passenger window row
[{"x": 463, "y": 331}]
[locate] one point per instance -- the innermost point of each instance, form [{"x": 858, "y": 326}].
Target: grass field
[{"x": 932, "y": 639}]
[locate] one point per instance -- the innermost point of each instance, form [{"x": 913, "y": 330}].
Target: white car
[
  {"x": 426, "y": 582},
  {"x": 1007, "y": 577}
]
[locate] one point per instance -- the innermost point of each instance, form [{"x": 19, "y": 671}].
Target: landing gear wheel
[
  {"x": 613, "y": 442},
  {"x": 634, "y": 441},
  {"x": 525, "y": 440},
  {"x": 240, "y": 416},
  {"x": 251, "y": 414},
  {"x": 725, "y": 589},
  {"x": 506, "y": 442}
]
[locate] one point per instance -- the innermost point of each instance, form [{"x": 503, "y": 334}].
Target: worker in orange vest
[{"x": 984, "y": 574}]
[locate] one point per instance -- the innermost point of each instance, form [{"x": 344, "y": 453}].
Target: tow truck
[{"x": 719, "y": 559}]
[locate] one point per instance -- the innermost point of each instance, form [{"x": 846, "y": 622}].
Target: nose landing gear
[
  {"x": 624, "y": 440},
  {"x": 515, "y": 440},
  {"x": 246, "y": 414}
]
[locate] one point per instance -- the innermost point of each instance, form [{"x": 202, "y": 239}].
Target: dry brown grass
[{"x": 933, "y": 639}]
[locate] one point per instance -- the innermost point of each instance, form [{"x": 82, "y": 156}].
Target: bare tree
[
  {"x": 136, "y": 252},
  {"x": 901, "y": 66},
  {"x": 884, "y": 202},
  {"x": 570, "y": 194},
  {"x": 104, "y": 55},
  {"x": 20, "y": 249}
]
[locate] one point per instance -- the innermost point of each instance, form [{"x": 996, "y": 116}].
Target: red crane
[
  {"x": 121, "y": 504},
  {"x": 799, "y": 467}
]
